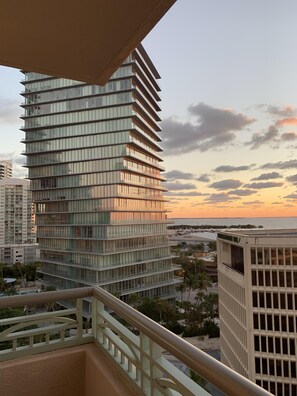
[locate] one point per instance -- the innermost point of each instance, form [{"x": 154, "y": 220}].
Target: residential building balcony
[{"x": 59, "y": 352}]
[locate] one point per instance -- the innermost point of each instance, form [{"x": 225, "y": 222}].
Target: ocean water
[{"x": 266, "y": 222}]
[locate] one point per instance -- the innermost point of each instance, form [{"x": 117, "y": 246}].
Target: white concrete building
[
  {"x": 5, "y": 168},
  {"x": 257, "y": 273},
  {"x": 17, "y": 230},
  {"x": 25, "y": 253}
]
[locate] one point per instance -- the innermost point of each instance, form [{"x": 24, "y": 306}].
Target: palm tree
[
  {"x": 212, "y": 246},
  {"x": 134, "y": 300},
  {"x": 191, "y": 284},
  {"x": 2, "y": 284},
  {"x": 162, "y": 306},
  {"x": 203, "y": 281},
  {"x": 210, "y": 305},
  {"x": 181, "y": 288},
  {"x": 184, "y": 308}
]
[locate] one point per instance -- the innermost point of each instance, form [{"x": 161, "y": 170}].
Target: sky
[{"x": 229, "y": 107}]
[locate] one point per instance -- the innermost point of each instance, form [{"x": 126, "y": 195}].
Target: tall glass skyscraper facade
[{"x": 93, "y": 159}]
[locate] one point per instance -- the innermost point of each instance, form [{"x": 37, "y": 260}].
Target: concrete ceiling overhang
[{"x": 84, "y": 40}]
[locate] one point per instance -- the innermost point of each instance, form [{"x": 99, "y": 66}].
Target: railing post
[
  {"x": 97, "y": 319},
  {"x": 145, "y": 363},
  {"x": 94, "y": 317},
  {"x": 150, "y": 352},
  {"x": 79, "y": 318}
]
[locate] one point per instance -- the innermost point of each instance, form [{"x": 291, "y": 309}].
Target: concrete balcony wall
[{"x": 76, "y": 371}]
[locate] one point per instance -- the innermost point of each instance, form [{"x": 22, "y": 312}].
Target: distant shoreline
[
  {"x": 210, "y": 227},
  {"x": 265, "y": 222},
  {"x": 230, "y": 218}
]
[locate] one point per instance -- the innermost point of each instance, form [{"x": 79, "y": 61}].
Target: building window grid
[
  {"x": 281, "y": 256},
  {"x": 282, "y": 285},
  {"x": 279, "y": 368},
  {"x": 283, "y": 302}
]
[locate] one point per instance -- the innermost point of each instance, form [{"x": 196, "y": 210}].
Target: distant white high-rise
[
  {"x": 257, "y": 273},
  {"x": 5, "y": 168},
  {"x": 17, "y": 232}
]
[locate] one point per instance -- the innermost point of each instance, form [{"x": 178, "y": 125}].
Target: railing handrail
[
  {"x": 223, "y": 377},
  {"x": 44, "y": 297}
]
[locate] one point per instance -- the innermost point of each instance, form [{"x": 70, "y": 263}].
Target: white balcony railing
[{"x": 137, "y": 352}]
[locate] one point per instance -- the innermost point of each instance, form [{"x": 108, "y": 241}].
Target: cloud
[
  {"x": 258, "y": 139},
  {"x": 292, "y": 179},
  {"x": 176, "y": 174},
  {"x": 19, "y": 160},
  {"x": 7, "y": 156},
  {"x": 219, "y": 197},
  {"x": 10, "y": 111},
  {"x": 280, "y": 165},
  {"x": 289, "y": 136},
  {"x": 180, "y": 186},
  {"x": 20, "y": 172},
  {"x": 251, "y": 203},
  {"x": 268, "y": 176},
  {"x": 203, "y": 178},
  {"x": 185, "y": 194},
  {"x": 285, "y": 111},
  {"x": 291, "y": 196},
  {"x": 213, "y": 129},
  {"x": 242, "y": 193},
  {"x": 18, "y": 167},
  {"x": 229, "y": 168},
  {"x": 258, "y": 186},
  {"x": 226, "y": 184},
  {"x": 286, "y": 121}
]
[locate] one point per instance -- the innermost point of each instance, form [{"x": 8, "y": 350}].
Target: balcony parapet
[{"x": 138, "y": 353}]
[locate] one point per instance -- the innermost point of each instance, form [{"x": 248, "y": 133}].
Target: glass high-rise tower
[{"x": 93, "y": 159}]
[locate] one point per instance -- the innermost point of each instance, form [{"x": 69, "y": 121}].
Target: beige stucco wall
[{"x": 77, "y": 371}]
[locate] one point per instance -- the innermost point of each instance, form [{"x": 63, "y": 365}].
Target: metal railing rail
[{"x": 139, "y": 356}]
